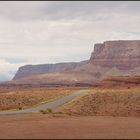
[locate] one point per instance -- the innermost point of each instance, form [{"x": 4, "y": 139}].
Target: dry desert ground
[
  {"x": 100, "y": 113},
  {"x": 37, "y": 126}
]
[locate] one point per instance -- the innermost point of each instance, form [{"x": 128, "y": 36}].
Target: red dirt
[
  {"x": 121, "y": 81},
  {"x": 42, "y": 126},
  {"x": 12, "y": 98},
  {"x": 106, "y": 102}
]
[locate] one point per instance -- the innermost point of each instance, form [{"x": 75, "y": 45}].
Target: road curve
[{"x": 52, "y": 105}]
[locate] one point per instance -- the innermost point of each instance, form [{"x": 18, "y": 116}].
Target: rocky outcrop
[
  {"x": 111, "y": 58},
  {"x": 122, "y": 54},
  {"x": 121, "y": 81},
  {"x": 29, "y": 70}
]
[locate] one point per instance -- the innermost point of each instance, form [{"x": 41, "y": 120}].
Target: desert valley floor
[
  {"x": 98, "y": 113},
  {"x": 42, "y": 126},
  {"x": 69, "y": 70}
]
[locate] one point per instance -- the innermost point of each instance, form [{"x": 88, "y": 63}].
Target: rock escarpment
[
  {"x": 111, "y": 58},
  {"x": 123, "y": 54},
  {"x": 29, "y": 70}
]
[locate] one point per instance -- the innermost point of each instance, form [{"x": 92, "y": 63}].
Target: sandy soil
[
  {"x": 12, "y": 98},
  {"x": 106, "y": 102},
  {"x": 44, "y": 126}
]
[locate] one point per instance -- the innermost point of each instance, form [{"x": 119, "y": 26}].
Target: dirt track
[
  {"x": 42, "y": 126},
  {"x": 54, "y": 104}
]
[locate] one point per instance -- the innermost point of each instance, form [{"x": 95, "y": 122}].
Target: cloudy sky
[{"x": 33, "y": 32}]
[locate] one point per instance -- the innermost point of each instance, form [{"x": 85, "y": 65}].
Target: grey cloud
[
  {"x": 33, "y": 32},
  {"x": 47, "y": 10},
  {"x": 21, "y": 10},
  {"x": 7, "y": 76},
  {"x": 4, "y": 77},
  {"x": 14, "y": 60}
]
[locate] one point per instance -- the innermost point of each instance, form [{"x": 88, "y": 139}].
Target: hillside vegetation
[
  {"x": 106, "y": 102},
  {"x": 19, "y": 98}
]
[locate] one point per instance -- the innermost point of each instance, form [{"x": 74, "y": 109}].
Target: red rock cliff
[{"x": 124, "y": 54}]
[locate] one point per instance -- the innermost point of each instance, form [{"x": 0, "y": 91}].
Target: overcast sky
[{"x": 33, "y": 32}]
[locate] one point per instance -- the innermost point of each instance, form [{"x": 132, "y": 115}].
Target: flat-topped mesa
[
  {"x": 123, "y": 54},
  {"x": 29, "y": 70},
  {"x": 111, "y": 58}
]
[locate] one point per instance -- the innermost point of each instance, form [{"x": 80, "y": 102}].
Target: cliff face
[
  {"x": 123, "y": 54},
  {"x": 111, "y": 58},
  {"x": 29, "y": 70}
]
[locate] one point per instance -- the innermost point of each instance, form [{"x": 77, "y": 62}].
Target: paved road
[{"x": 54, "y": 104}]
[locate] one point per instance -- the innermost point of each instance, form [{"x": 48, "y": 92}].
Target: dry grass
[
  {"x": 19, "y": 98},
  {"x": 106, "y": 102}
]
